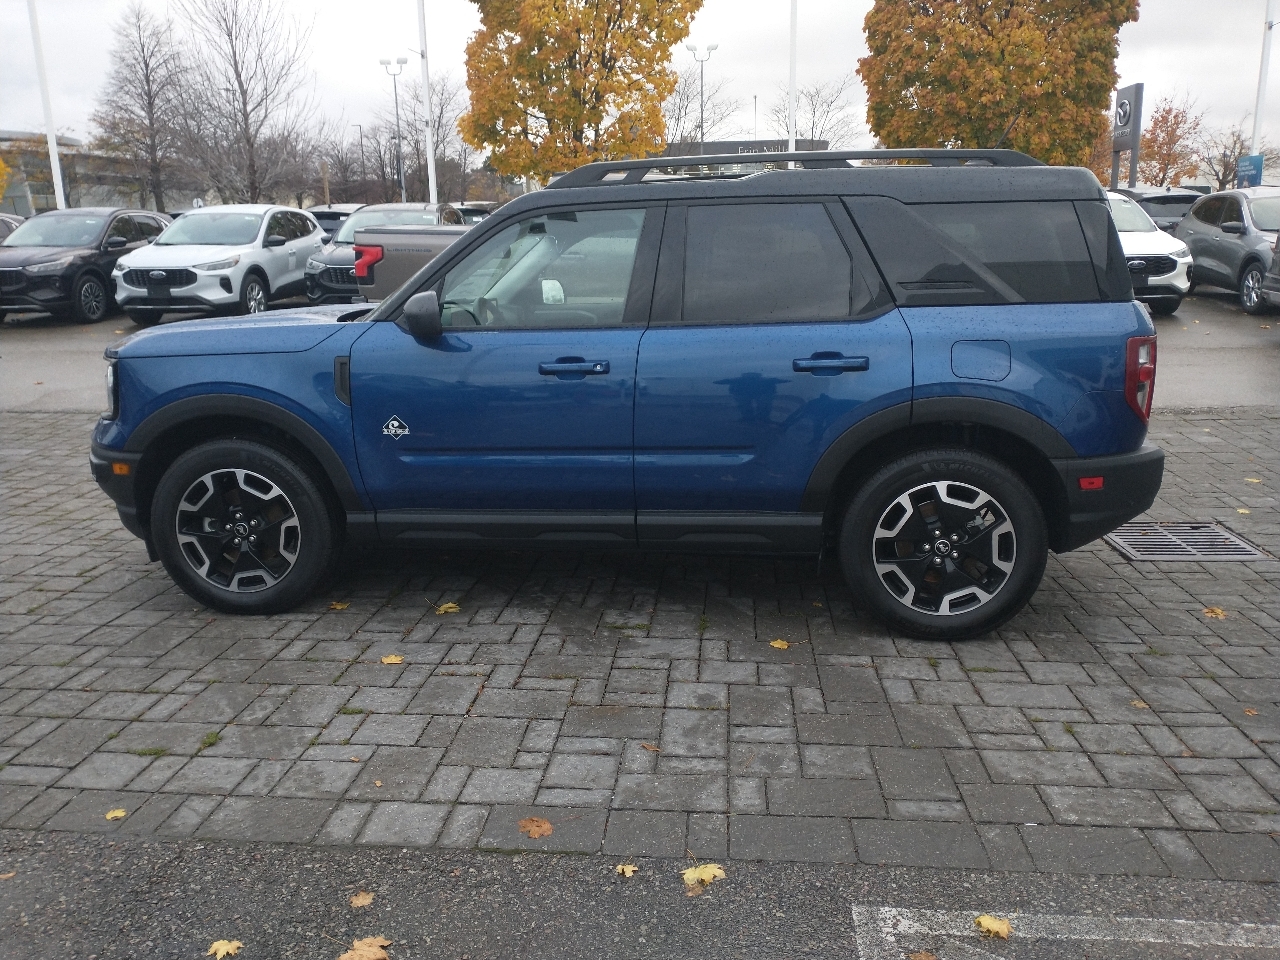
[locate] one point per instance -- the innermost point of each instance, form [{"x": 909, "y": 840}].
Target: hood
[
  {"x": 290, "y": 331},
  {"x": 336, "y": 255},
  {"x": 22, "y": 256},
  {"x": 179, "y": 255},
  {"x": 1154, "y": 244}
]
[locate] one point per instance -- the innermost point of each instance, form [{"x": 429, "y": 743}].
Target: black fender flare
[
  {"x": 250, "y": 408},
  {"x": 976, "y": 410}
]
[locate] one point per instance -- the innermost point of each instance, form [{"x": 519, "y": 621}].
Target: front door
[
  {"x": 516, "y": 422},
  {"x": 771, "y": 335},
  {"x": 1201, "y": 234}
]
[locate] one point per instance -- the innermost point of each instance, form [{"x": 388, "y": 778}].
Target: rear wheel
[
  {"x": 944, "y": 544},
  {"x": 1251, "y": 289},
  {"x": 242, "y": 527}
]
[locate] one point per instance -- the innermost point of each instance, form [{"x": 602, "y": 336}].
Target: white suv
[
  {"x": 224, "y": 259},
  {"x": 1159, "y": 263}
]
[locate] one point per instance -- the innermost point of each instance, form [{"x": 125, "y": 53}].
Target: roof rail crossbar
[{"x": 594, "y": 174}]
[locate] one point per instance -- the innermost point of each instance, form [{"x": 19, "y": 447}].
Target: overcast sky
[{"x": 1209, "y": 50}]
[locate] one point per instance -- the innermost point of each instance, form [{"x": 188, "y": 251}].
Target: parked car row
[
  {"x": 1159, "y": 265},
  {"x": 1232, "y": 236}
]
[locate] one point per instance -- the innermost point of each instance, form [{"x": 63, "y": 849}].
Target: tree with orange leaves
[
  {"x": 1167, "y": 154},
  {"x": 1032, "y": 75},
  {"x": 558, "y": 83}
]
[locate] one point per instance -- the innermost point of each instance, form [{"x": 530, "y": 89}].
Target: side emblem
[{"x": 395, "y": 427}]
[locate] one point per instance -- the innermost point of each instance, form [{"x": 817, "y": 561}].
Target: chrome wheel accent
[
  {"x": 93, "y": 300},
  {"x": 255, "y": 297},
  {"x": 1251, "y": 288},
  {"x": 238, "y": 530},
  {"x": 944, "y": 548}
]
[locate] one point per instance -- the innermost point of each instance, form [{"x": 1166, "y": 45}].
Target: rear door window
[{"x": 978, "y": 253}]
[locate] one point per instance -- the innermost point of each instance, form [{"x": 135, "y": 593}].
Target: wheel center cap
[
  {"x": 242, "y": 529},
  {"x": 942, "y": 547}
]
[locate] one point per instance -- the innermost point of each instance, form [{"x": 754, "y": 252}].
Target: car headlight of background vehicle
[
  {"x": 51, "y": 266},
  {"x": 113, "y": 396},
  {"x": 226, "y": 264},
  {"x": 1181, "y": 251},
  {"x": 314, "y": 266},
  {"x": 119, "y": 267}
]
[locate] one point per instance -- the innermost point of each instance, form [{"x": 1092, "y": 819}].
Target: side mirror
[
  {"x": 326, "y": 237},
  {"x": 420, "y": 317},
  {"x": 275, "y": 240},
  {"x": 116, "y": 243},
  {"x": 1232, "y": 226}
]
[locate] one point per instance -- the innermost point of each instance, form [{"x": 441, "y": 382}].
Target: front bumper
[
  {"x": 1167, "y": 286},
  {"x": 210, "y": 293},
  {"x": 117, "y": 475},
  {"x": 321, "y": 290},
  {"x": 1130, "y": 482},
  {"x": 37, "y": 293}
]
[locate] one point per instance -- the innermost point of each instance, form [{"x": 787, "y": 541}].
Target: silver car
[{"x": 1231, "y": 236}]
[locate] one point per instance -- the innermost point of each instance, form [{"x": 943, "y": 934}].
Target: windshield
[
  {"x": 59, "y": 230},
  {"x": 1129, "y": 217},
  {"x": 212, "y": 230},
  {"x": 1266, "y": 213},
  {"x": 380, "y": 218},
  {"x": 1167, "y": 206}
]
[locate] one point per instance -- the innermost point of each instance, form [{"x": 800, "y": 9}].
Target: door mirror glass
[
  {"x": 275, "y": 240},
  {"x": 1232, "y": 226},
  {"x": 421, "y": 316},
  {"x": 326, "y": 237},
  {"x": 117, "y": 243},
  {"x": 552, "y": 292}
]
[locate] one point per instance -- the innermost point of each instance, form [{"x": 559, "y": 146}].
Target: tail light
[
  {"x": 1140, "y": 375},
  {"x": 366, "y": 257}
]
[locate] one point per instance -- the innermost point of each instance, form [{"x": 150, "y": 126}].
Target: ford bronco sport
[{"x": 935, "y": 370}]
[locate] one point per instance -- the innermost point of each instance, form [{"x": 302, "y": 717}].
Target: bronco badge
[{"x": 395, "y": 427}]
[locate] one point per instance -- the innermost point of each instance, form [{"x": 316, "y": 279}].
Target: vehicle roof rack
[{"x": 613, "y": 172}]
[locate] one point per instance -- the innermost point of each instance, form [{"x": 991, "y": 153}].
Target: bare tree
[
  {"x": 1219, "y": 151},
  {"x": 135, "y": 115},
  {"x": 680, "y": 111},
  {"x": 244, "y": 102},
  {"x": 823, "y": 112}
]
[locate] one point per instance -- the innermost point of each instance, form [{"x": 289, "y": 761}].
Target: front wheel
[
  {"x": 1251, "y": 289},
  {"x": 242, "y": 527},
  {"x": 253, "y": 294},
  {"x": 1165, "y": 308},
  {"x": 89, "y": 299},
  {"x": 944, "y": 544}
]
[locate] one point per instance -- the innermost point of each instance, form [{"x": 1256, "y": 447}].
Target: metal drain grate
[{"x": 1181, "y": 541}]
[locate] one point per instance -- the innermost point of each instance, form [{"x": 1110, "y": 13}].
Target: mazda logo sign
[
  {"x": 157, "y": 274},
  {"x": 1123, "y": 112}
]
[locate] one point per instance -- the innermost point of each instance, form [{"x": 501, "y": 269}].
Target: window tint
[
  {"x": 302, "y": 225},
  {"x": 1265, "y": 212},
  {"x": 148, "y": 227},
  {"x": 1129, "y": 217},
  {"x": 124, "y": 227},
  {"x": 978, "y": 253},
  {"x": 1167, "y": 206},
  {"x": 764, "y": 261},
  {"x": 278, "y": 225},
  {"x": 1231, "y": 212},
  {"x": 1207, "y": 211},
  {"x": 555, "y": 270},
  {"x": 1110, "y": 267},
  {"x": 449, "y": 215}
]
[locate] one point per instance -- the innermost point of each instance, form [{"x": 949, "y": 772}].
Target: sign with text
[
  {"x": 1126, "y": 124},
  {"x": 1249, "y": 170}
]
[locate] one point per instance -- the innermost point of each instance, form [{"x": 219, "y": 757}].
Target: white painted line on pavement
[{"x": 877, "y": 930}]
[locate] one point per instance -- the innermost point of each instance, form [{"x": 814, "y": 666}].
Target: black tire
[
  {"x": 254, "y": 293},
  {"x": 1165, "y": 308},
  {"x": 1251, "y": 299},
  {"x": 224, "y": 495},
  {"x": 144, "y": 319},
  {"x": 952, "y": 600},
  {"x": 90, "y": 299}
]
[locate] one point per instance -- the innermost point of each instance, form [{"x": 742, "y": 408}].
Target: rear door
[{"x": 771, "y": 334}]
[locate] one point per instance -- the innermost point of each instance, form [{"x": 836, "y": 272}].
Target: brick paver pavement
[{"x": 635, "y": 701}]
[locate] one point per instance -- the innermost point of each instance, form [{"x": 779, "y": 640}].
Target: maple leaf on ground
[
  {"x": 362, "y": 899},
  {"x": 1140, "y": 704},
  {"x": 223, "y": 948},
  {"x": 650, "y": 747},
  {"x": 696, "y": 879},
  {"x": 991, "y": 926},
  {"x": 779, "y": 643},
  {"x": 119, "y": 813},
  {"x": 377, "y": 783},
  {"x": 336, "y": 605},
  {"x": 535, "y": 827},
  {"x": 8, "y": 876},
  {"x": 393, "y": 658},
  {"x": 921, "y": 955},
  {"x": 1250, "y": 712},
  {"x": 1252, "y": 480},
  {"x": 1215, "y": 613},
  {"x": 626, "y": 869},
  {"x": 448, "y": 608},
  {"x": 370, "y": 948}
]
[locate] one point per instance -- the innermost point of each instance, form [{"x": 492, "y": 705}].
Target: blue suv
[{"x": 934, "y": 369}]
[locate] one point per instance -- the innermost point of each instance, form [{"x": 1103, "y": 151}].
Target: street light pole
[
  {"x": 426, "y": 101},
  {"x": 702, "y": 90},
  {"x": 791, "y": 84},
  {"x": 55, "y": 165},
  {"x": 364, "y": 177},
  {"x": 395, "y": 92},
  {"x": 1267, "y": 27}
]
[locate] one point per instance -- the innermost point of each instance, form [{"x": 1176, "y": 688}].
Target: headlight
[
  {"x": 51, "y": 266},
  {"x": 1182, "y": 250},
  {"x": 113, "y": 398},
  {"x": 226, "y": 264},
  {"x": 119, "y": 267},
  {"x": 314, "y": 266}
]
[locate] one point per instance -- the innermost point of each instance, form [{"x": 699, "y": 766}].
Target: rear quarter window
[{"x": 942, "y": 254}]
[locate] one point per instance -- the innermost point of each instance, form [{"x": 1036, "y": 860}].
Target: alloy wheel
[
  {"x": 238, "y": 530},
  {"x": 1251, "y": 288},
  {"x": 255, "y": 297},
  {"x": 93, "y": 300},
  {"x": 944, "y": 548}
]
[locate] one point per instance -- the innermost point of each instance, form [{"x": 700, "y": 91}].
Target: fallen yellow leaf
[
  {"x": 816, "y": 603},
  {"x": 8, "y": 876},
  {"x": 1215, "y": 613},
  {"x": 393, "y": 658},
  {"x": 355, "y": 759},
  {"x": 1241, "y": 510},
  {"x": 993, "y": 926},
  {"x": 339, "y": 606},
  {"x": 119, "y": 813},
  {"x": 921, "y": 955},
  {"x": 780, "y": 644},
  {"x": 626, "y": 869},
  {"x": 1140, "y": 704},
  {"x": 370, "y": 948},
  {"x": 377, "y": 783},
  {"x": 1250, "y": 712},
  {"x": 535, "y": 827},
  {"x": 223, "y": 948},
  {"x": 362, "y": 899},
  {"x": 448, "y": 608},
  {"x": 1252, "y": 480},
  {"x": 696, "y": 879},
  {"x": 650, "y": 747}
]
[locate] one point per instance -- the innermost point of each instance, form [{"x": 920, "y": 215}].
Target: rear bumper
[{"x": 1130, "y": 482}]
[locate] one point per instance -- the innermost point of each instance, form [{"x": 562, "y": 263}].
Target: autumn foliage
[
  {"x": 1167, "y": 153},
  {"x": 558, "y": 83},
  {"x": 1032, "y": 75}
]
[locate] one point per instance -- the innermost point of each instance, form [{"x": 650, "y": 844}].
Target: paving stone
[
  {"x": 485, "y": 742},
  {"x": 1004, "y": 848},
  {"x": 657, "y": 792},
  {"x": 694, "y": 733},
  {"x": 893, "y": 843},
  {"x": 645, "y": 833},
  {"x": 1180, "y": 854},
  {"x": 1217, "y": 742},
  {"x": 86, "y": 812},
  {"x": 803, "y": 839},
  {"x": 268, "y": 743},
  {"x": 706, "y": 696},
  {"x": 273, "y": 819},
  {"x": 104, "y": 771},
  {"x": 188, "y": 816},
  {"x": 1026, "y": 767},
  {"x": 344, "y": 824},
  {"x": 404, "y": 824},
  {"x": 764, "y": 759},
  {"x": 1093, "y": 850},
  {"x": 856, "y": 684},
  {"x": 792, "y": 796},
  {"x": 1004, "y": 803},
  {"x": 322, "y": 779},
  {"x": 40, "y": 808},
  {"x": 708, "y": 836},
  {"x": 870, "y": 725},
  {"x": 824, "y": 760},
  {"x": 1239, "y": 856},
  {"x": 930, "y": 726},
  {"x": 209, "y": 775},
  {"x": 501, "y": 786},
  {"x": 1149, "y": 772},
  {"x": 1230, "y": 793},
  {"x": 69, "y": 744},
  {"x": 1106, "y": 806},
  {"x": 612, "y": 722},
  {"x": 581, "y": 771},
  {"x": 219, "y": 703},
  {"x": 907, "y": 774},
  {"x": 446, "y": 695},
  {"x": 391, "y": 730},
  {"x": 574, "y": 830},
  {"x": 533, "y": 704}
]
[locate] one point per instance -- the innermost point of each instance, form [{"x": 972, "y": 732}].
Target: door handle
[
  {"x": 574, "y": 365},
  {"x": 830, "y": 364}
]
